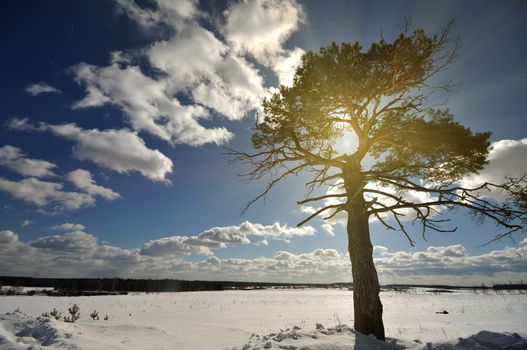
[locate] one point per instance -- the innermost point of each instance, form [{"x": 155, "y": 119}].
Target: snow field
[{"x": 236, "y": 319}]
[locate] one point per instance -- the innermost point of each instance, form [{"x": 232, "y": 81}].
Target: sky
[{"x": 115, "y": 113}]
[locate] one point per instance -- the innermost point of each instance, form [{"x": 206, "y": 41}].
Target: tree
[{"x": 378, "y": 97}]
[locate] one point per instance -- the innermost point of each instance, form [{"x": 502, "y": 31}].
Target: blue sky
[{"x": 83, "y": 143}]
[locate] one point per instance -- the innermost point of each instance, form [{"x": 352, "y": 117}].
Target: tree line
[{"x": 78, "y": 285}]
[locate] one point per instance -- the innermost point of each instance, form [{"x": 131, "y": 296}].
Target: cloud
[
  {"x": 168, "y": 12},
  {"x": 71, "y": 242},
  {"x": 82, "y": 180},
  {"x": 52, "y": 198},
  {"x": 192, "y": 61},
  {"x": 507, "y": 158},
  {"x": 27, "y": 222},
  {"x": 263, "y": 242},
  {"x": 78, "y": 253},
  {"x": 380, "y": 250},
  {"x": 146, "y": 103},
  {"x": 178, "y": 246},
  {"x": 69, "y": 227},
  {"x": 260, "y": 28},
  {"x": 213, "y": 74},
  {"x": 41, "y": 88},
  {"x": 122, "y": 151},
  {"x": 13, "y": 158},
  {"x": 330, "y": 230},
  {"x": 285, "y": 65},
  {"x": 8, "y": 238},
  {"x": 198, "y": 62},
  {"x": 453, "y": 263},
  {"x": 46, "y": 194},
  {"x": 72, "y": 254},
  {"x": 219, "y": 237},
  {"x": 275, "y": 231}
]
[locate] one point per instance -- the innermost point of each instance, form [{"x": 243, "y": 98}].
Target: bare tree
[{"x": 378, "y": 97}]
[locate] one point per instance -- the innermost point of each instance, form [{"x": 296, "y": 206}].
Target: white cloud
[
  {"x": 330, "y": 230},
  {"x": 41, "y": 88},
  {"x": 8, "y": 237},
  {"x": 285, "y": 65},
  {"x": 456, "y": 250},
  {"x": 172, "y": 56},
  {"x": 307, "y": 209},
  {"x": 146, "y": 103},
  {"x": 507, "y": 158},
  {"x": 263, "y": 242},
  {"x": 177, "y": 246},
  {"x": 71, "y": 242},
  {"x": 193, "y": 61},
  {"x": 260, "y": 28},
  {"x": 82, "y": 180},
  {"x": 69, "y": 227},
  {"x": 27, "y": 222},
  {"x": 72, "y": 254},
  {"x": 16, "y": 160},
  {"x": 201, "y": 64},
  {"x": 168, "y": 12},
  {"x": 379, "y": 249},
  {"x": 80, "y": 253},
  {"x": 46, "y": 194},
  {"x": 52, "y": 198},
  {"x": 274, "y": 231},
  {"x": 453, "y": 263},
  {"x": 120, "y": 150},
  {"x": 220, "y": 237}
]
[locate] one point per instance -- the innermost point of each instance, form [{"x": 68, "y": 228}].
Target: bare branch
[
  {"x": 310, "y": 217},
  {"x": 314, "y": 199}
]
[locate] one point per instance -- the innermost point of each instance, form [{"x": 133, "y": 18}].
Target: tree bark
[{"x": 366, "y": 301}]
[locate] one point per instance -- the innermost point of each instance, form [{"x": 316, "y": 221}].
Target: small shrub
[
  {"x": 53, "y": 314},
  {"x": 94, "y": 315},
  {"x": 106, "y": 318},
  {"x": 74, "y": 314}
]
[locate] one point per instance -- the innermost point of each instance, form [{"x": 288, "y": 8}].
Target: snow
[
  {"x": 344, "y": 337},
  {"x": 22, "y": 290},
  {"x": 260, "y": 319}
]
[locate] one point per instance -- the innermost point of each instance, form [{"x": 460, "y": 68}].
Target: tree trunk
[{"x": 366, "y": 302}]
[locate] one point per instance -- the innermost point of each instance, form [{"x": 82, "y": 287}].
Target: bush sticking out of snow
[
  {"x": 55, "y": 314},
  {"x": 74, "y": 314},
  {"x": 94, "y": 315}
]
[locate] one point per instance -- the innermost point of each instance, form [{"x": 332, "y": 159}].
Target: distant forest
[
  {"x": 116, "y": 285},
  {"x": 99, "y": 286}
]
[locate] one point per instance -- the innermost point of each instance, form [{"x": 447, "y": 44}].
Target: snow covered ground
[{"x": 261, "y": 319}]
